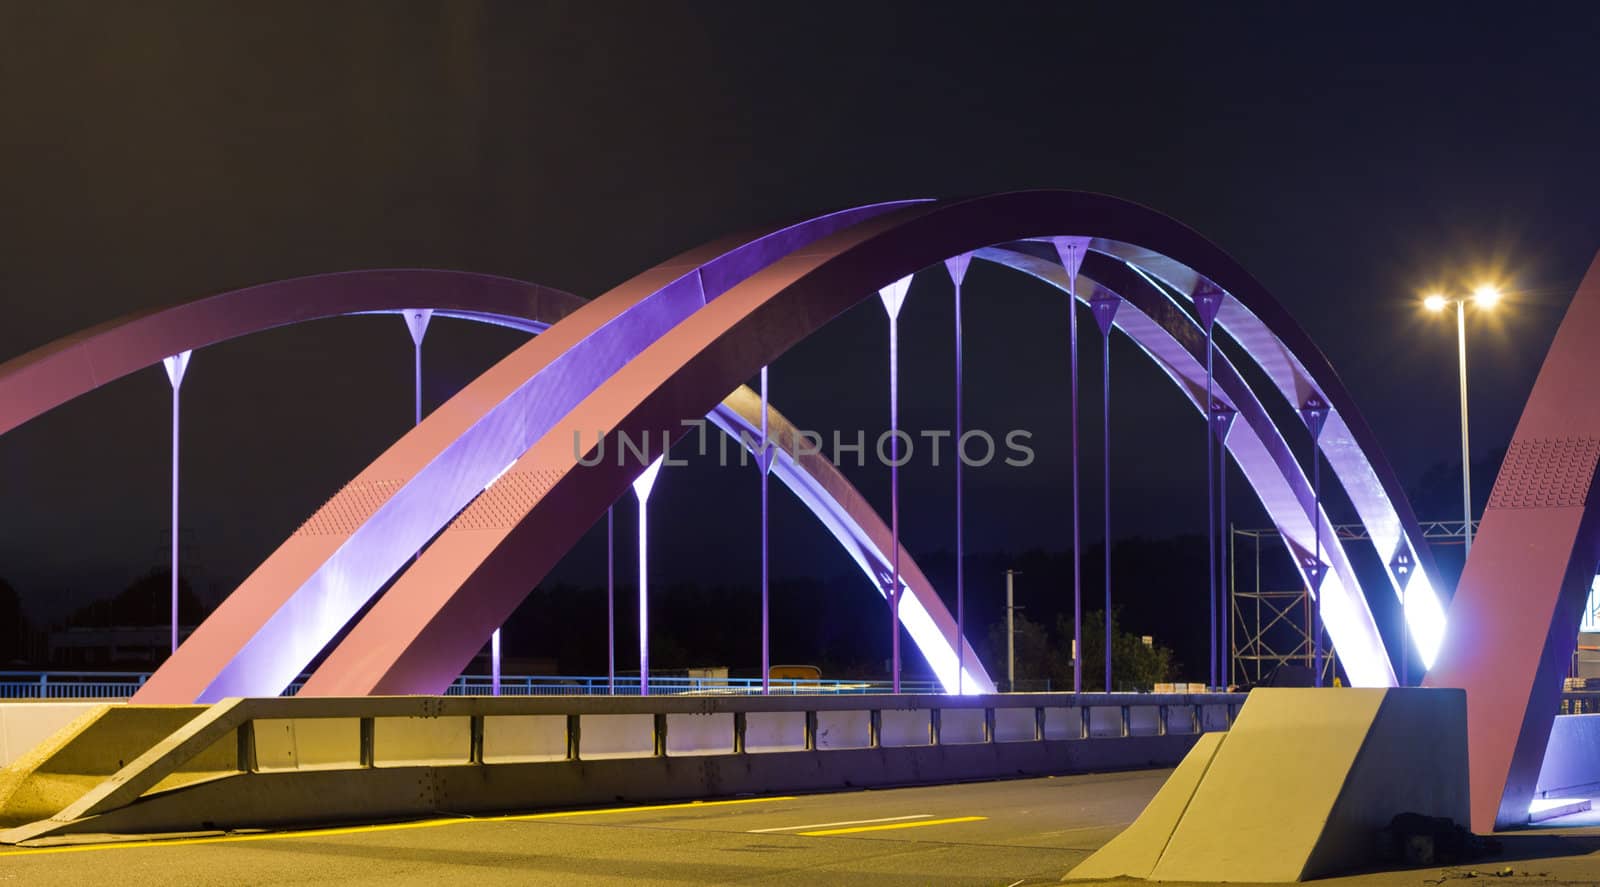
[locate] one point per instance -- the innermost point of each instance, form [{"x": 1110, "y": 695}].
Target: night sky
[{"x": 1351, "y": 156}]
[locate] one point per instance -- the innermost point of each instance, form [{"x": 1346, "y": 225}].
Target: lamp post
[{"x": 1484, "y": 297}]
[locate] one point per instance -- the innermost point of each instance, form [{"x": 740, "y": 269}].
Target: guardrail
[
  {"x": 318, "y": 760},
  {"x": 109, "y": 686},
  {"x": 1578, "y": 702}
]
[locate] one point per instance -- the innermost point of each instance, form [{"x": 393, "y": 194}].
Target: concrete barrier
[
  {"x": 24, "y": 725},
  {"x": 300, "y": 761},
  {"x": 700, "y": 733},
  {"x": 1299, "y": 788},
  {"x": 510, "y": 739},
  {"x": 904, "y": 728},
  {"x": 307, "y": 743},
  {"x": 963, "y": 726},
  {"x": 774, "y": 731},
  {"x": 1016, "y": 725},
  {"x": 99, "y": 743},
  {"x": 618, "y": 735},
  {"x": 1062, "y": 722},
  {"x": 844, "y": 729},
  {"x": 1571, "y": 765}
]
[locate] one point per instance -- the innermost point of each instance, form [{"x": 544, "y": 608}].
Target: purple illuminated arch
[
  {"x": 1174, "y": 340},
  {"x": 49, "y": 376},
  {"x": 306, "y": 591},
  {"x": 285, "y": 612},
  {"x": 435, "y": 616},
  {"x": 46, "y": 377}
]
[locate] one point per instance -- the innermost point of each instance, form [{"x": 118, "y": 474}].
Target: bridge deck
[{"x": 997, "y": 833}]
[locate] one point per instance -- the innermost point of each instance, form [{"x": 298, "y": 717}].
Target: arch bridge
[{"x": 461, "y": 516}]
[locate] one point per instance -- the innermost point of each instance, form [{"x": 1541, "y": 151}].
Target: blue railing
[{"x": 89, "y": 685}]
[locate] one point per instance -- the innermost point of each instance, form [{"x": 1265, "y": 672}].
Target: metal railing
[
  {"x": 101, "y": 686},
  {"x": 1580, "y": 703}
]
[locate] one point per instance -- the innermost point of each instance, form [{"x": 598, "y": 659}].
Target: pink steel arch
[
  {"x": 1516, "y": 611},
  {"x": 46, "y": 377},
  {"x": 654, "y": 305},
  {"x": 1176, "y": 342},
  {"x": 40, "y": 380},
  {"x": 287, "y": 611},
  {"x": 435, "y": 616}
]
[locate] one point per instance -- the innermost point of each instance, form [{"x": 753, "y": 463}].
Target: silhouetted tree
[
  {"x": 1134, "y": 666},
  {"x": 146, "y": 601},
  {"x": 15, "y": 632},
  {"x": 1038, "y": 656}
]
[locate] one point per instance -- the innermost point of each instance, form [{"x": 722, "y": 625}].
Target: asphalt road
[
  {"x": 995, "y": 833},
  {"x": 1005, "y": 834}
]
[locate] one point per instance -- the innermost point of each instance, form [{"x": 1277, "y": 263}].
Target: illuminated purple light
[{"x": 348, "y": 581}]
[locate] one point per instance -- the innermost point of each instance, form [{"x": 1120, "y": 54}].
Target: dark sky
[{"x": 1349, "y": 155}]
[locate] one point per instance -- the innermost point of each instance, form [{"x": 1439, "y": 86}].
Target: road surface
[{"x": 1007, "y": 834}]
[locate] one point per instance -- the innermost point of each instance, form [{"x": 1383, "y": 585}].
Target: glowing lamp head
[
  {"x": 1434, "y": 302},
  {"x": 1486, "y": 296}
]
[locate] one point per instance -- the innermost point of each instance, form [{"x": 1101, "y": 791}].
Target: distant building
[{"x": 128, "y": 647}]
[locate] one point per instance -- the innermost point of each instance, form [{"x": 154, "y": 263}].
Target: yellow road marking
[
  {"x": 566, "y": 813},
  {"x": 892, "y": 825},
  {"x": 386, "y": 827},
  {"x": 817, "y": 825}
]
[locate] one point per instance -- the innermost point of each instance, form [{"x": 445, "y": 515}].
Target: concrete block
[
  {"x": 1180, "y": 719},
  {"x": 961, "y": 726},
  {"x": 405, "y": 742},
  {"x": 1105, "y": 721},
  {"x": 24, "y": 725},
  {"x": 1213, "y": 717},
  {"x": 903, "y": 728},
  {"x": 1553, "y": 808},
  {"x": 327, "y": 742},
  {"x": 525, "y": 738},
  {"x": 616, "y": 736},
  {"x": 1063, "y": 723},
  {"x": 844, "y": 729},
  {"x": 305, "y": 743},
  {"x": 275, "y": 745},
  {"x": 774, "y": 731},
  {"x": 1144, "y": 720},
  {"x": 1135, "y": 852},
  {"x": 1301, "y": 785},
  {"x": 1571, "y": 759},
  {"x": 96, "y": 744},
  {"x": 1015, "y": 725},
  {"x": 700, "y": 733}
]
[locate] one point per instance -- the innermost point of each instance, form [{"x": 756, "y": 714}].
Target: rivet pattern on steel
[{"x": 1546, "y": 473}]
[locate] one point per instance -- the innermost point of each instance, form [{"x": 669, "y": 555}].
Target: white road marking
[{"x": 795, "y": 828}]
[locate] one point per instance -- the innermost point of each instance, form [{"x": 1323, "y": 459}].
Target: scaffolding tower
[{"x": 1272, "y": 627}]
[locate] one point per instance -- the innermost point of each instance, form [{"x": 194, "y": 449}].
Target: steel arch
[
  {"x": 1516, "y": 611},
  {"x": 291, "y": 606},
  {"x": 1171, "y": 338},
  {"x": 34, "y": 383},
  {"x": 44, "y": 378},
  {"x": 437, "y": 612}
]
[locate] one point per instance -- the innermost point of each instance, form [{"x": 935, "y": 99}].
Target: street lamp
[{"x": 1485, "y": 297}]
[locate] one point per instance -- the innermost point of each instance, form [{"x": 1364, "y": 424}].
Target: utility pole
[{"x": 1011, "y": 633}]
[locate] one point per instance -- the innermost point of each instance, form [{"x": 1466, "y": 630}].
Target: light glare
[
  {"x": 1425, "y": 617},
  {"x": 1434, "y": 302},
  {"x": 1486, "y": 296}
]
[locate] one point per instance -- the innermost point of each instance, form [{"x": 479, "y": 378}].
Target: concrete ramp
[
  {"x": 1299, "y": 788},
  {"x": 1136, "y": 851},
  {"x": 83, "y": 754}
]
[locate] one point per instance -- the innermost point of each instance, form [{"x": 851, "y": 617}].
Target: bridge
[{"x": 394, "y": 585}]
